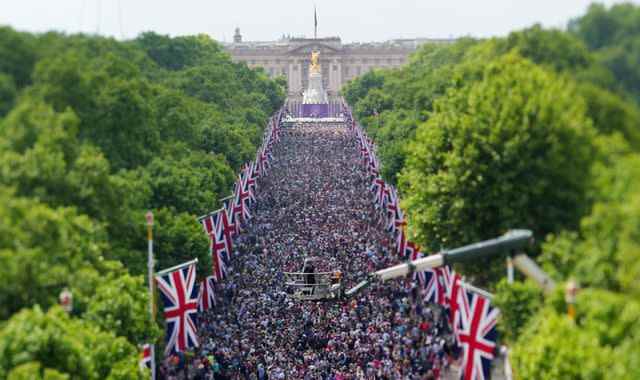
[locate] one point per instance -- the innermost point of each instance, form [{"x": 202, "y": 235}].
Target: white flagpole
[
  {"x": 149, "y": 217},
  {"x": 174, "y": 268}
]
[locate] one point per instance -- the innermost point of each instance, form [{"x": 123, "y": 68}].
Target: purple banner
[{"x": 315, "y": 110}]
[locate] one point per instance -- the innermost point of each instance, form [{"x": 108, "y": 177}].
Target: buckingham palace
[{"x": 289, "y": 57}]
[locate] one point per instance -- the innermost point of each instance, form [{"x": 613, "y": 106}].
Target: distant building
[{"x": 340, "y": 63}]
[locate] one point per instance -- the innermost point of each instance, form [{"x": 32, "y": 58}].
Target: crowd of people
[{"x": 315, "y": 202}]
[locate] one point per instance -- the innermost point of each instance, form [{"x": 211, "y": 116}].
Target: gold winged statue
[{"x": 315, "y": 62}]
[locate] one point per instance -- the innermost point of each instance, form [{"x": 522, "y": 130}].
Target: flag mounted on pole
[
  {"x": 435, "y": 284},
  {"x": 179, "y": 295},
  {"x": 315, "y": 23},
  {"x": 206, "y": 296},
  {"x": 477, "y": 336},
  {"x": 227, "y": 204}
]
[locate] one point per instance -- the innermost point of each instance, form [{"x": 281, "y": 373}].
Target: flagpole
[
  {"x": 209, "y": 214},
  {"x": 176, "y": 267},
  {"x": 149, "y": 217},
  {"x": 226, "y": 198},
  {"x": 315, "y": 23}
]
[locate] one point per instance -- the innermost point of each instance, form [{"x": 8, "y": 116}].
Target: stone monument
[{"x": 315, "y": 102}]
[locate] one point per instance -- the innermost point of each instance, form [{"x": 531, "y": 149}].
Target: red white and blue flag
[
  {"x": 227, "y": 204},
  {"x": 206, "y": 294},
  {"x": 179, "y": 295},
  {"x": 220, "y": 256},
  {"x": 412, "y": 252},
  {"x": 263, "y": 161},
  {"x": 227, "y": 229},
  {"x": 477, "y": 336},
  {"x": 401, "y": 242},
  {"x": 435, "y": 285},
  {"x": 220, "y": 241},
  {"x": 455, "y": 301},
  {"x": 241, "y": 199},
  {"x": 249, "y": 182},
  {"x": 208, "y": 223},
  {"x": 393, "y": 209},
  {"x": 378, "y": 189}
]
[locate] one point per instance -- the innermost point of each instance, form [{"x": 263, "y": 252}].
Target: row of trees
[
  {"x": 94, "y": 132},
  {"x": 540, "y": 130}
]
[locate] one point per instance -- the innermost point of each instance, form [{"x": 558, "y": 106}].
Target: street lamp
[{"x": 66, "y": 300}]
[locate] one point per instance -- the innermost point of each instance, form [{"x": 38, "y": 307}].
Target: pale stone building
[{"x": 340, "y": 62}]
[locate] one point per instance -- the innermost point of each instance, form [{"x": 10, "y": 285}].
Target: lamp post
[
  {"x": 570, "y": 297},
  {"x": 149, "y": 219},
  {"x": 66, "y": 300}
]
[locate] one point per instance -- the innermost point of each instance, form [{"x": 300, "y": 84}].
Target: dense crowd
[{"x": 315, "y": 202}]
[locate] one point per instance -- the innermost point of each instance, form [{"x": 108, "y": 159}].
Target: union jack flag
[
  {"x": 455, "y": 300},
  {"x": 401, "y": 242},
  {"x": 240, "y": 207},
  {"x": 377, "y": 188},
  {"x": 253, "y": 177},
  {"x": 179, "y": 294},
  {"x": 227, "y": 229},
  {"x": 263, "y": 159},
  {"x": 206, "y": 294},
  {"x": 394, "y": 213},
  {"x": 374, "y": 165},
  {"x": 249, "y": 181},
  {"x": 435, "y": 284},
  {"x": 233, "y": 225},
  {"x": 208, "y": 223},
  {"x": 477, "y": 336},
  {"x": 220, "y": 256},
  {"x": 396, "y": 221},
  {"x": 412, "y": 252},
  {"x": 219, "y": 231}
]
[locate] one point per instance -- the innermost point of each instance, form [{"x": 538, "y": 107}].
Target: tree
[
  {"x": 193, "y": 183},
  {"x": 614, "y": 36},
  {"x": 518, "y": 302},
  {"x": 120, "y": 305},
  {"x": 34, "y": 371},
  {"x": 40, "y": 248},
  {"x": 112, "y": 102},
  {"x": 356, "y": 90},
  {"x": 611, "y": 113},
  {"x": 494, "y": 156},
  {"x": 18, "y": 55},
  {"x": 549, "y": 47},
  {"x": 180, "y": 238},
  {"x": 64, "y": 346},
  {"x": 552, "y": 347},
  {"x": 7, "y": 94},
  {"x": 41, "y": 156},
  {"x": 604, "y": 251}
]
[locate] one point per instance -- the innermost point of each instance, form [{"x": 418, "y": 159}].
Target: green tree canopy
[
  {"x": 55, "y": 342},
  {"x": 495, "y": 155}
]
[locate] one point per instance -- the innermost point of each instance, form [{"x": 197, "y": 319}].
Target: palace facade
[{"x": 290, "y": 57}]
